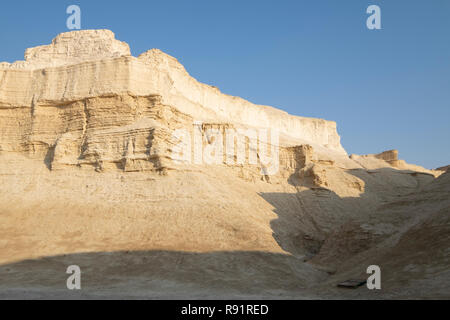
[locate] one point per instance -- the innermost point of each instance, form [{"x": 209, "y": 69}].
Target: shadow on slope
[
  {"x": 308, "y": 217},
  {"x": 161, "y": 274},
  {"x": 313, "y": 225},
  {"x": 400, "y": 223}
]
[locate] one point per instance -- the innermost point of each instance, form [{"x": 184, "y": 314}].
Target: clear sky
[{"x": 386, "y": 88}]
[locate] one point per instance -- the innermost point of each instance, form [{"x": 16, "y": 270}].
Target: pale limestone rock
[
  {"x": 391, "y": 155},
  {"x": 389, "y": 159},
  {"x": 74, "y": 47},
  {"x": 54, "y": 82}
]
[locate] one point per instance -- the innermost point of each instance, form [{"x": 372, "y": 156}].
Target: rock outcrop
[
  {"x": 72, "y": 48},
  {"x": 69, "y": 100},
  {"x": 446, "y": 168}
]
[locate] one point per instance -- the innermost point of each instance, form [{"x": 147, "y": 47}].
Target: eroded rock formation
[{"x": 84, "y": 85}]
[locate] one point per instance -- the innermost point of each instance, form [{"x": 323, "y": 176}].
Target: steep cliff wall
[{"x": 47, "y": 93}]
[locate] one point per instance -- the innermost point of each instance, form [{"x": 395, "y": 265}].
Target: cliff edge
[{"x": 92, "y": 64}]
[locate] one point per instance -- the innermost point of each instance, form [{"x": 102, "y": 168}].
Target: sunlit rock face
[
  {"x": 74, "y": 47},
  {"x": 85, "y": 82}
]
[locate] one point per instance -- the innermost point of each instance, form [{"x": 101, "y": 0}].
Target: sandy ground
[{"x": 208, "y": 233}]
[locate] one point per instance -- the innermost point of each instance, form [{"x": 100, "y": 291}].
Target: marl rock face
[
  {"x": 74, "y": 47},
  {"x": 86, "y": 85}
]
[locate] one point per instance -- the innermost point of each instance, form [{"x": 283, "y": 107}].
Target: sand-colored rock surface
[
  {"x": 105, "y": 68},
  {"x": 90, "y": 176},
  {"x": 446, "y": 168}
]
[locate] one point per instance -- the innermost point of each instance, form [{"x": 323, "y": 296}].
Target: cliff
[{"x": 67, "y": 93}]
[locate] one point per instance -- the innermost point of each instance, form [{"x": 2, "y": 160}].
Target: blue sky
[{"x": 386, "y": 88}]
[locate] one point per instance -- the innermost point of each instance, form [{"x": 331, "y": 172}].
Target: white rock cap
[{"x": 74, "y": 47}]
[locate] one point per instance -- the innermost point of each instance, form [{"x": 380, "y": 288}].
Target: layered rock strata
[{"x": 84, "y": 99}]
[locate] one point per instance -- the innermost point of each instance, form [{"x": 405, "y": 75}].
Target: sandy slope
[{"x": 209, "y": 233}]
